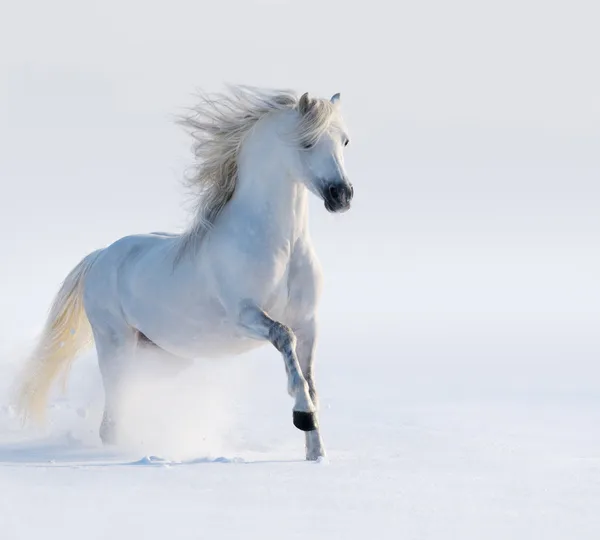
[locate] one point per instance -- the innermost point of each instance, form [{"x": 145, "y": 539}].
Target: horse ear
[
  {"x": 335, "y": 99},
  {"x": 304, "y": 103}
]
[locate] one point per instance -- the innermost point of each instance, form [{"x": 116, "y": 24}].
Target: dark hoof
[{"x": 305, "y": 421}]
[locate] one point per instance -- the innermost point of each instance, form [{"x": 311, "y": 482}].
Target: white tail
[{"x": 67, "y": 332}]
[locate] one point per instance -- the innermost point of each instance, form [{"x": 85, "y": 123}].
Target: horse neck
[{"x": 267, "y": 191}]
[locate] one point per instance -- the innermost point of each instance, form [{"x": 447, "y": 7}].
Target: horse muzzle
[{"x": 337, "y": 196}]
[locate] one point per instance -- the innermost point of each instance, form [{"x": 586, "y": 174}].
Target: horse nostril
[
  {"x": 351, "y": 191},
  {"x": 334, "y": 193}
]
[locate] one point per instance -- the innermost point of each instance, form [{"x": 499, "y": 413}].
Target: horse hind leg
[{"x": 115, "y": 353}]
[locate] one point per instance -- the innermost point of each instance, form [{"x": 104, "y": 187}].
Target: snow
[{"x": 406, "y": 458}]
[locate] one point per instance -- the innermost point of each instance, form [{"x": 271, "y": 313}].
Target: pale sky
[{"x": 475, "y": 157}]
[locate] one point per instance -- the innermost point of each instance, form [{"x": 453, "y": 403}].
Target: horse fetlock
[
  {"x": 304, "y": 404},
  {"x": 315, "y": 450}
]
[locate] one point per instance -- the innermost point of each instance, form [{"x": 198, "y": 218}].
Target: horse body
[
  {"x": 189, "y": 309},
  {"x": 248, "y": 277}
]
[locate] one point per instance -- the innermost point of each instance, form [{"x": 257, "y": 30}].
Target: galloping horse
[{"x": 243, "y": 274}]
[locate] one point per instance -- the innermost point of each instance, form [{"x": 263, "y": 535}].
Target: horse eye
[{"x": 307, "y": 146}]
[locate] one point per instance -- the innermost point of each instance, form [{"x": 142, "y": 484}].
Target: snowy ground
[{"x": 414, "y": 452}]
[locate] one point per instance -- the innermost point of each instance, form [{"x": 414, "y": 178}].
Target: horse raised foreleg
[{"x": 259, "y": 325}]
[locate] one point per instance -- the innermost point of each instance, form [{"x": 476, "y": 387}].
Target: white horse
[{"x": 243, "y": 274}]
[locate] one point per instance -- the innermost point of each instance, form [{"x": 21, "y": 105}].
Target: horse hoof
[{"x": 305, "y": 421}]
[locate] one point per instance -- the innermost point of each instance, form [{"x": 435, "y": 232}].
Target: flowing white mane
[{"x": 218, "y": 126}]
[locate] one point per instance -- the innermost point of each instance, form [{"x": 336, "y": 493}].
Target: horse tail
[{"x": 66, "y": 333}]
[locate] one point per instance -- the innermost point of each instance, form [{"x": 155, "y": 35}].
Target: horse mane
[{"x": 218, "y": 125}]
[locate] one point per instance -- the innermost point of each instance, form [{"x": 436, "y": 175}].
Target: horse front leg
[
  {"x": 305, "y": 349},
  {"x": 259, "y": 325}
]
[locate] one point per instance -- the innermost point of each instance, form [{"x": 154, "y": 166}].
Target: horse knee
[{"x": 282, "y": 337}]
